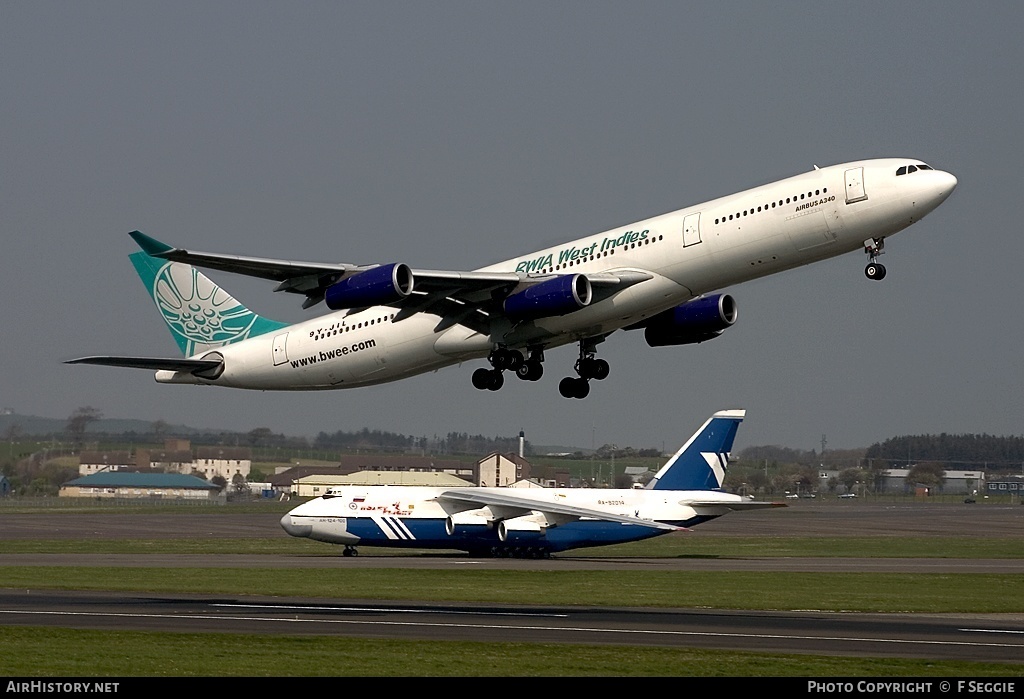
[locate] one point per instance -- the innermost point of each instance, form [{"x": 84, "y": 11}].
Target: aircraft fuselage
[
  {"x": 415, "y": 517},
  {"x": 686, "y": 253}
]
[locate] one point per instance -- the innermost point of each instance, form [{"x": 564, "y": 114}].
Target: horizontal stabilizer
[
  {"x": 152, "y": 363},
  {"x": 734, "y": 505}
]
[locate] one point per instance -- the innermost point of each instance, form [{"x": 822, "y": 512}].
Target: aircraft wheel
[
  {"x": 586, "y": 368},
  {"x": 582, "y": 388},
  {"x": 530, "y": 370},
  {"x": 496, "y": 380},
  {"x": 594, "y": 369},
  {"x": 567, "y": 387},
  {"x": 573, "y": 388},
  {"x": 515, "y": 359},
  {"x": 482, "y": 378},
  {"x": 875, "y": 271}
]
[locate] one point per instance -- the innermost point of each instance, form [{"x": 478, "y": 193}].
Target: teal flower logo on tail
[{"x": 200, "y": 314}]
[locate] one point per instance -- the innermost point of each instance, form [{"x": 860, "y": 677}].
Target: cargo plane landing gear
[
  {"x": 588, "y": 367},
  {"x": 874, "y": 247}
]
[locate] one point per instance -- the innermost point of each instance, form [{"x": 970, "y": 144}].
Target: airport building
[
  {"x": 495, "y": 469},
  {"x": 91, "y": 462},
  {"x": 177, "y": 456},
  {"x": 140, "y": 486},
  {"x": 894, "y": 480},
  {"x": 1006, "y": 485},
  {"x": 315, "y": 485}
]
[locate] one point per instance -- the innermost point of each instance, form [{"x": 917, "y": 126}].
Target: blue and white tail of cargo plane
[
  {"x": 659, "y": 275},
  {"x": 532, "y": 522}
]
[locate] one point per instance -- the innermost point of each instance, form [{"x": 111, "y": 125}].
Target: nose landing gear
[{"x": 874, "y": 247}]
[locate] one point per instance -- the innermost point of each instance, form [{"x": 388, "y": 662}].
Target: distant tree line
[
  {"x": 382, "y": 440},
  {"x": 954, "y": 451}
]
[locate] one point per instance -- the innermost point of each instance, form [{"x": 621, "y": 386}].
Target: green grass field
[{"x": 84, "y": 653}]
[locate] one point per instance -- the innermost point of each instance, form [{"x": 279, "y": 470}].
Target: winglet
[{"x": 151, "y": 246}]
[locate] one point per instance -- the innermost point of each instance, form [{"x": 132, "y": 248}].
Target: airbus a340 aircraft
[
  {"x": 532, "y": 522},
  {"x": 390, "y": 321}
]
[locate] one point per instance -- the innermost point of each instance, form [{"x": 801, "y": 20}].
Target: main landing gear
[
  {"x": 588, "y": 367},
  {"x": 350, "y": 551},
  {"x": 503, "y": 358},
  {"x": 874, "y": 247}
]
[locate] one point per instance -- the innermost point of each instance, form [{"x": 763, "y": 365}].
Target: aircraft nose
[
  {"x": 932, "y": 189},
  {"x": 947, "y": 182},
  {"x": 292, "y": 526}
]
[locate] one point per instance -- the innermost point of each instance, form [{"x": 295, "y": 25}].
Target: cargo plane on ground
[
  {"x": 532, "y": 522},
  {"x": 659, "y": 275}
]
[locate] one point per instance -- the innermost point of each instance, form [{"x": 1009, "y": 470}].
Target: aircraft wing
[
  {"x": 482, "y": 498},
  {"x": 460, "y": 297},
  {"x": 311, "y": 278},
  {"x": 152, "y": 363}
]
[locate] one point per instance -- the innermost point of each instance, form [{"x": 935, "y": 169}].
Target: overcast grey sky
[{"x": 450, "y": 135}]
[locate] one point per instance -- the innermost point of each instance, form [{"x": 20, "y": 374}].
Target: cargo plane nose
[{"x": 293, "y": 528}]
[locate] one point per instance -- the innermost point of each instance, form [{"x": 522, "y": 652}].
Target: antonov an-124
[
  {"x": 662, "y": 275},
  {"x": 532, "y": 522}
]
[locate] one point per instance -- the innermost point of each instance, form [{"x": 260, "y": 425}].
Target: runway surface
[
  {"x": 936, "y": 637},
  {"x": 975, "y": 637}
]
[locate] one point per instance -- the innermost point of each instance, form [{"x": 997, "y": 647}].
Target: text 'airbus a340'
[
  {"x": 390, "y": 321},
  {"x": 532, "y": 522}
]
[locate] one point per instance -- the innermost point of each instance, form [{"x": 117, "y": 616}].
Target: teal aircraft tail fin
[{"x": 199, "y": 314}]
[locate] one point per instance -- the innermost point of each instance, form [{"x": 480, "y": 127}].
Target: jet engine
[
  {"x": 519, "y": 529},
  {"x": 466, "y": 524},
  {"x": 374, "y": 287},
  {"x": 555, "y": 297},
  {"x": 701, "y": 319}
]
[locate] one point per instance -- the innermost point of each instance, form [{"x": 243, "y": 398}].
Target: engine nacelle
[
  {"x": 519, "y": 529},
  {"x": 374, "y": 287},
  {"x": 555, "y": 297},
  {"x": 466, "y": 524},
  {"x": 694, "y": 321}
]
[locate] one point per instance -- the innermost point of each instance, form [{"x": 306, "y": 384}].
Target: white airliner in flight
[
  {"x": 532, "y": 522},
  {"x": 390, "y": 321}
]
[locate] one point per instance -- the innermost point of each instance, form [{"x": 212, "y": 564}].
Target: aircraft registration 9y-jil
[{"x": 659, "y": 275}]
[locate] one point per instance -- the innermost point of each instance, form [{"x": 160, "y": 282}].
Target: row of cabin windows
[
  {"x": 907, "y": 169},
  {"x": 321, "y": 333},
  {"x": 765, "y": 207}
]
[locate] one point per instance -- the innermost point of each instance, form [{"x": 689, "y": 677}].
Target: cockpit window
[{"x": 907, "y": 169}]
